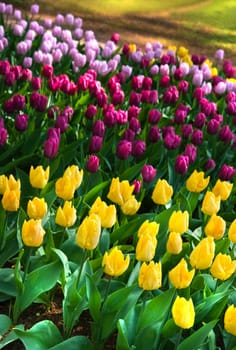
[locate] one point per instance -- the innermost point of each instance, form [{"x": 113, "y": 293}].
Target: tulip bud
[
  {"x": 92, "y": 164},
  {"x": 223, "y": 267},
  {"x": 222, "y": 189},
  {"x": 120, "y": 191},
  {"x": 215, "y": 227},
  {"x": 66, "y": 216},
  {"x": 174, "y": 243},
  {"x": 3, "y": 183},
  {"x": 75, "y": 174},
  {"x": 183, "y": 312},
  {"x": 114, "y": 262},
  {"x": 210, "y": 203},
  {"x": 107, "y": 213},
  {"x": 89, "y": 231},
  {"x": 124, "y": 149},
  {"x": 179, "y": 221},
  {"x": 130, "y": 206},
  {"x": 179, "y": 276},
  {"x": 196, "y": 181},
  {"x": 65, "y": 188},
  {"x": 181, "y": 164},
  {"x": 13, "y": 184},
  {"x": 11, "y": 200},
  {"x": 37, "y": 208},
  {"x": 202, "y": 255},
  {"x": 146, "y": 247},
  {"x": 38, "y": 176},
  {"x": 32, "y": 233},
  {"x": 162, "y": 192},
  {"x": 148, "y": 228},
  {"x": 232, "y": 231},
  {"x": 230, "y": 320},
  {"x": 150, "y": 276},
  {"x": 148, "y": 173}
]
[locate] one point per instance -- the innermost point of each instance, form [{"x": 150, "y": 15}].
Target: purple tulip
[
  {"x": 187, "y": 130},
  {"x": 197, "y": 137},
  {"x": 226, "y": 172},
  {"x": 138, "y": 148},
  {"x": 200, "y": 120},
  {"x": 51, "y": 147},
  {"x": 91, "y": 111},
  {"x": 124, "y": 149},
  {"x": 95, "y": 144},
  {"x": 21, "y": 122},
  {"x": 191, "y": 152},
  {"x": 3, "y": 136},
  {"x": 98, "y": 128},
  {"x": 154, "y": 115},
  {"x": 128, "y": 135},
  {"x": 148, "y": 173},
  {"x": 154, "y": 134},
  {"x": 213, "y": 126},
  {"x": 225, "y": 134},
  {"x": 181, "y": 164},
  {"x": 210, "y": 164},
  {"x": 172, "y": 141},
  {"x": 135, "y": 125},
  {"x": 92, "y": 164},
  {"x": 183, "y": 86}
]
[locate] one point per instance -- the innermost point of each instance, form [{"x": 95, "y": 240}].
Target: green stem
[
  {"x": 178, "y": 338},
  {"x": 83, "y": 259}
]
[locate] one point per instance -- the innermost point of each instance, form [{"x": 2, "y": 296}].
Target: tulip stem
[
  {"x": 83, "y": 259},
  {"x": 178, "y": 338},
  {"x": 28, "y": 253}
]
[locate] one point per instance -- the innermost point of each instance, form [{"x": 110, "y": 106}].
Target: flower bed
[{"x": 117, "y": 188}]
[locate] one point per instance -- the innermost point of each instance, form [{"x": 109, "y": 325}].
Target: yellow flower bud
[
  {"x": 89, "y": 231},
  {"x": 230, "y": 320},
  {"x": 196, "y": 181},
  {"x": 11, "y": 200},
  {"x": 131, "y": 206},
  {"x": 120, "y": 192},
  {"x": 174, "y": 243},
  {"x": 74, "y": 173},
  {"x": 146, "y": 247},
  {"x": 210, "y": 203},
  {"x": 215, "y": 227},
  {"x": 179, "y": 221},
  {"x": 232, "y": 231},
  {"x": 13, "y": 184},
  {"x": 66, "y": 216},
  {"x": 37, "y": 208},
  {"x": 132, "y": 47},
  {"x": 106, "y": 212},
  {"x": 32, "y": 233},
  {"x": 149, "y": 227},
  {"x": 150, "y": 276},
  {"x": 115, "y": 263},
  {"x": 179, "y": 276},
  {"x": 183, "y": 312},
  {"x": 223, "y": 267},
  {"x": 65, "y": 188},
  {"x": 3, "y": 183},
  {"x": 182, "y": 51},
  {"x": 162, "y": 192},
  {"x": 202, "y": 255},
  {"x": 222, "y": 189},
  {"x": 38, "y": 176}
]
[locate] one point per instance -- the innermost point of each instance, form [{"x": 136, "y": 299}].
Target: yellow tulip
[
  {"x": 183, "y": 312},
  {"x": 222, "y": 189},
  {"x": 38, "y": 176},
  {"x": 180, "y": 277},
  {"x": 179, "y": 221},
  {"x": 232, "y": 231},
  {"x": 148, "y": 227},
  {"x": 182, "y": 51},
  {"x": 106, "y": 212},
  {"x": 66, "y": 216},
  {"x": 196, "y": 181},
  {"x": 202, "y": 255},
  {"x": 215, "y": 227},
  {"x": 13, "y": 184},
  {"x": 162, "y": 192},
  {"x": 131, "y": 206},
  {"x": 150, "y": 276},
  {"x": 120, "y": 191},
  {"x": 11, "y": 200},
  {"x": 3, "y": 183},
  {"x": 146, "y": 247},
  {"x": 210, "y": 203},
  {"x": 223, "y": 267},
  {"x": 114, "y": 262},
  {"x": 174, "y": 243},
  {"x": 37, "y": 208},
  {"x": 75, "y": 174},
  {"x": 230, "y": 320},
  {"x": 32, "y": 233},
  {"x": 89, "y": 231},
  {"x": 65, "y": 188}
]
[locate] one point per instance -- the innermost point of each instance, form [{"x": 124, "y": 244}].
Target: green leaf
[
  {"x": 122, "y": 338},
  {"x": 94, "y": 192},
  {"x": 93, "y": 296},
  {"x": 208, "y": 305},
  {"x": 10, "y": 338},
  {"x": 77, "y": 342},
  {"x": 196, "y": 339},
  {"x": 5, "y": 324},
  {"x": 42, "y": 336},
  {"x": 7, "y": 285}
]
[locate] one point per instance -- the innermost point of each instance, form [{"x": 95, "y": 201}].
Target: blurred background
[{"x": 201, "y": 26}]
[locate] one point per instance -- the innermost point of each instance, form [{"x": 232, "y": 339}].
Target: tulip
[
  {"x": 181, "y": 164},
  {"x": 131, "y": 206},
  {"x": 146, "y": 247},
  {"x": 32, "y": 233},
  {"x": 232, "y": 231},
  {"x": 148, "y": 228},
  {"x": 38, "y": 176},
  {"x": 114, "y": 262},
  {"x": 148, "y": 173},
  {"x": 179, "y": 276},
  {"x": 13, "y": 184},
  {"x": 11, "y": 200},
  {"x": 179, "y": 221},
  {"x": 89, "y": 231},
  {"x": 75, "y": 174},
  {"x": 174, "y": 243},
  {"x": 215, "y": 227},
  {"x": 183, "y": 312},
  {"x": 65, "y": 187},
  {"x": 202, "y": 255},
  {"x": 223, "y": 267},
  {"x": 196, "y": 181},
  {"x": 222, "y": 189},
  {"x": 230, "y": 320},
  {"x": 162, "y": 192},
  {"x": 107, "y": 213},
  {"x": 210, "y": 203},
  {"x": 66, "y": 216},
  {"x": 92, "y": 164},
  {"x": 120, "y": 191},
  {"x": 150, "y": 276},
  {"x": 37, "y": 208}
]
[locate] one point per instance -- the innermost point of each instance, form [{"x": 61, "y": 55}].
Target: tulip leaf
[
  {"x": 7, "y": 285},
  {"x": 77, "y": 342},
  {"x": 42, "y": 336},
  {"x": 5, "y": 324},
  {"x": 94, "y": 192},
  {"x": 197, "y": 339},
  {"x": 131, "y": 172},
  {"x": 122, "y": 338},
  {"x": 94, "y": 297},
  {"x": 10, "y": 337}
]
